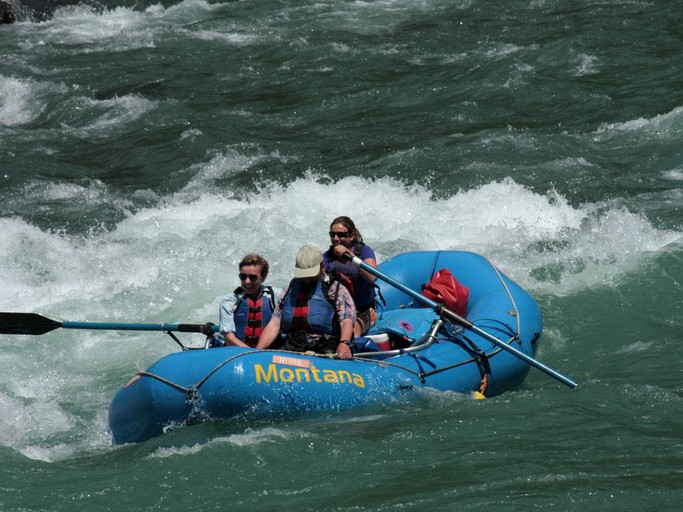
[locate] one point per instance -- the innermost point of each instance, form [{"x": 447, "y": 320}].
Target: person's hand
[
  {"x": 343, "y": 351},
  {"x": 340, "y": 250}
]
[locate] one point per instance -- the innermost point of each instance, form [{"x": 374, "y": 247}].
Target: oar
[
  {"x": 450, "y": 315},
  {"x": 33, "y": 323}
]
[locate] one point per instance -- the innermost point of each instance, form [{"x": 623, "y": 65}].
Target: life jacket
[
  {"x": 251, "y": 316},
  {"x": 309, "y": 309},
  {"x": 362, "y": 290}
]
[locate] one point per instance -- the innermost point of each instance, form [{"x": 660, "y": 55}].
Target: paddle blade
[{"x": 26, "y": 323}]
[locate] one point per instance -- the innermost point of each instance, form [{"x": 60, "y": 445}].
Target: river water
[{"x": 146, "y": 147}]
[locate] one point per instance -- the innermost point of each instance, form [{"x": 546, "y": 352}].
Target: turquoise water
[{"x": 145, "y": 147}]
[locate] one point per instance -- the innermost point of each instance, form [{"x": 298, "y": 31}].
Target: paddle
[
  {"x": 441, "y": 310},
  {"x": 33, "y": 323}
]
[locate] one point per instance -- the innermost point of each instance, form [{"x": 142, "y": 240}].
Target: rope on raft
[{"x": 192, "y": 392}]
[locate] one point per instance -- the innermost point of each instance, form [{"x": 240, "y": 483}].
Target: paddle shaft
[
  {"x": 454, "y": 317},
  {"x": 132, "y": 327},
  {"x": 35, "y": 324}
]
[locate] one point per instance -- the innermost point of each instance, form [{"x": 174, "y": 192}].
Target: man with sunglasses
[
  {"x": 314, "y": 313},
  {"x": 246, "y": 311}
]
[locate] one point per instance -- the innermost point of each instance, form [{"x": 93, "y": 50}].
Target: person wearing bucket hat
[{"x": 315, "y": 313}]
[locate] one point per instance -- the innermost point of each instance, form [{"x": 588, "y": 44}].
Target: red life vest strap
[
  {"x": 300, "y": 316},
  {"x": 254, "y": 328}
]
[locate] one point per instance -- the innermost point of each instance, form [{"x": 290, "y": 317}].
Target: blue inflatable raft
[{"x": 424, "y": 352}]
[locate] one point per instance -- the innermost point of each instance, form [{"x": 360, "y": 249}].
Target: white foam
[
  {"x": 587, "y": 65},
  {"x": 226, "y": 164},
  {"x": 191, "y": 240},
  {"x": 167, "y": 452},
  {"x": 608, "y": 245},
  {"x": 674, "y": 175},
  {"x": 90, "y": 30},
  {"x": 53, "y": 392},
  {"x": 15, "y": 97},
  {"x": 663, "y": 126},
  {"x": 23, "y": 100},
  {"x": 637, "y": 347},
  {"x": 501, "y": 219},
  {"x": 48, "y": 454},
  {"x": 249, "y": 437},
  {"x": 29, "y": 419},
  {"x": 92, "y": 193},
  {"x": 232, "y": 38},
  {"x": 82, "y": 25},
  {"x": 117, "y": 111}
]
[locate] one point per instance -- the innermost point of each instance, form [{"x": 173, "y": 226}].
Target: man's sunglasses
[{"x": 244, "y": 276}]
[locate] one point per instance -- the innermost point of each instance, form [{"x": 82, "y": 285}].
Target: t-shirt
[{"x": 363, "y": 290}]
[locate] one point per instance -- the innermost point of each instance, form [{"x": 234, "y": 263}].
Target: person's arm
[
  {"x": 344, "y": 350},
  {"x": 272, "y": 329},
  {"x": 231, "y": 339},
  {"x": 367, "y": 275},
  {"x": 346, "y": 311},
  {"x": 368, "y": 256},
  {"x": 270, "y": 332},
  {"x": 226, "y": 314}
]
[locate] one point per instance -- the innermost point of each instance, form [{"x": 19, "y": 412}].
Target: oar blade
[{"x": 26, "y": 323}]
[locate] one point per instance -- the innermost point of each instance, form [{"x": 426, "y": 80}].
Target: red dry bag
[{"x": 445, "y": 289}]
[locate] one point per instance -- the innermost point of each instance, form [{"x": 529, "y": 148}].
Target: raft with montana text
[{"x": 421, "y": 349}]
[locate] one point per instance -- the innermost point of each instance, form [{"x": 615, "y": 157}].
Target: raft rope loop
[
  {"x": 192, "y": 392},
  {"x": 479, "y": 355},
  {"x": 512, "y": 301}
]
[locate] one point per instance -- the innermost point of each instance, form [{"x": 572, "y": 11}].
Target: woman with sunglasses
[
  {"x": 246, "y": 311},
  {"x": 346, "y": 239}
]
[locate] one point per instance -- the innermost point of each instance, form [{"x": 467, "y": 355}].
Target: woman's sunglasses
[{"x": 340, "y": 234}]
